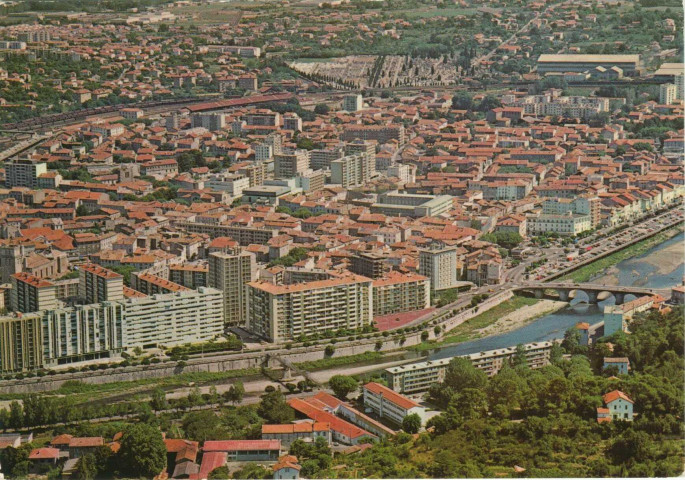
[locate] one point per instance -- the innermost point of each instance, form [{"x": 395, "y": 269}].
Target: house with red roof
[
  {"x": 43, "y": 456},
  {"x": 619, "y": 406},
  {"x": 287, "y": 468}
]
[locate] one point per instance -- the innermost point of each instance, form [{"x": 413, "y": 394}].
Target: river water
[{"x": 632, "y": 272}]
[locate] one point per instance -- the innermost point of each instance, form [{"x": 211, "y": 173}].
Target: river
[{"x": 647, "y": 270}]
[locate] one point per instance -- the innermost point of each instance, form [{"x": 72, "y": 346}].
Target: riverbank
[
  {"x": 521, "y": 317},
  {"x": 473, "y": 328},
  {"x": 600, "y": 267}
]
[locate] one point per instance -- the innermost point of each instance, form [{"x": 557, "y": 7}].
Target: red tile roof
[
  {"x": 390, "y": 395},
  {"x": 44, "y": 453},
  {"x": 240, "y": 445},
  {"x": 615, "y": 395}
]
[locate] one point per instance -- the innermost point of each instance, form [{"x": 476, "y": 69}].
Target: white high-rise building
[{"x": 440, "y": 265}]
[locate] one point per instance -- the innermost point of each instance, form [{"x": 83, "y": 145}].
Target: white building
[
  {"x": 440, "y": 265},
  {"x": 389, "y": 404},
  {"x": 174, "y": 318}
]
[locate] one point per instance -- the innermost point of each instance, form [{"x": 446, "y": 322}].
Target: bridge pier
[
  {"x": 592, "y": 297},
  {"x": 539, "y": 293},
  {"x": 564, "y": 294},
  {"x": 619, "y": 297}
]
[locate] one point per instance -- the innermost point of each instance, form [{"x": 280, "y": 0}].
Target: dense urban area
[{"x": 341, "y": 239}]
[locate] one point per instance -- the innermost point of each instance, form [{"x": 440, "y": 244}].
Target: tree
[
  {"x": 571, "y": 340},
  {"x": 343, "y": 385},
  {"x": 274, "y": 409},
  {"x": 195, "y": 397},
  {"x": 16, "y": 416},
  {"x": 158, "y": 401},
  {"x": 82, "y": 211},
  {"x": 201, "y": 426},
  {"x": 411, "y": 423},
  {"x": 329, "y": 350},
  {"x": 251, "y": 471},
  {"x": 86, "y": 468},
  {"x": 519, "y": 358},
  {"x": 235, "y": 393},
  {"x": 142, "y": 452},
  {"x": 321, "y": 109},
  {"x": 220, "y": 473},
  {"x": 462, "y": 101}
]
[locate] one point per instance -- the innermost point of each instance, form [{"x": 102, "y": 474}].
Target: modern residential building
[
  {"x": 353, "y": 102},
  {"x": 418, "y": 377},
  {"x": 398, "y": 292},
  {"x": 21, "y": 343},
  {"x": 289, "y": 164},
  {"x": 230, "y": 274},
  {"x": 191, "y": 276},
  {"x": 98, "y": 284},
  {"x": 321, "y": 159},
  {"x": 353, "y": 170},
  {"x": 24, "y": 173},
  {"x": 150, "y": 284},
  {"x": 285, "y": 312},
  {"x": 174, "y": 318},
  {"x": 439, "y": 264},
  {"x": 31, "y": 294},
  {"x": 102, "y": 330},
  {"x": 389, "y": 404},
  {"x": 370, "y": 265},
  {"x": 668, "y": 93}
]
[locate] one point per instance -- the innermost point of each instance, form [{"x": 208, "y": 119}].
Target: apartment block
[
  {"x": 418, "y": 377},
  {"x": 439, "y": 264},
  {"x": 191, "y": 276},
  {"x": 353, "y": 103},
  {"x": 399, "y": 292},
  {"x": 150, "y": 284},
  {"x": 353, "y": 170},
  {"x": 230, "y": 274},
  {"x": 98, "y": 284},
  {"x": 321, "y": 159},
  {"x": 173, "y": 318},
  {"x": 24, "y": 173},
  {"x": 368, "y": 265},
  {"x": 31, "y": 294},
  {"x": 21, "y": 343},
  {"x": 285, "y": 312},
  {"x": 288, "y": 165}
]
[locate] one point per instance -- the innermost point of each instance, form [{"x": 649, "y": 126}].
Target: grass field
[
  {"x": 85, "y": 392},
  {"x": 339, "y": 361}
]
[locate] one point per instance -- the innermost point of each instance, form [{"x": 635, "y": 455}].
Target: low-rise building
[{"x": 389, "y": 404}]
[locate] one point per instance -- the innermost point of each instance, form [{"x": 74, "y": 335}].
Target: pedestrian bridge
[{"x": 595, "y": 293}]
